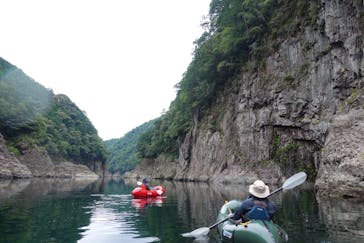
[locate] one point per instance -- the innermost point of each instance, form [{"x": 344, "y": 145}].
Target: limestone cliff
[
  {"x": 302, "y": 111},
  {"x": 286, "y": 112}
]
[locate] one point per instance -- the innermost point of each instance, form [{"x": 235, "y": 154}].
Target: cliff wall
[
  {"x": 285, "y": 117},
  {"x": 301, "y": 110}
]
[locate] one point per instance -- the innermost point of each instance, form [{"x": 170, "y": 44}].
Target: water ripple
[{"x": 112, "y": 221}]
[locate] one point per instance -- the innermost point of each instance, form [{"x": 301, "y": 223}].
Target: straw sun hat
[{"x": 259, "y": 189}]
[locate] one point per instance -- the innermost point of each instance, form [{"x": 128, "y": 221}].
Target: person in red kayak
[
  {"x": 256, "y": 206},
  {"x": 145, "y": 184}
]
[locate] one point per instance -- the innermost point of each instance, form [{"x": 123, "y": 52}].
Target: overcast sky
[{"x": 117, "y": 60}]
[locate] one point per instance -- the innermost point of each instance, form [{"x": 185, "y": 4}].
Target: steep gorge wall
[{"x": 283, "y": 118}]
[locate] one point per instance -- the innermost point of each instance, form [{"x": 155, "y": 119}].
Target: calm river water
[{"x": 48, "y": 210}]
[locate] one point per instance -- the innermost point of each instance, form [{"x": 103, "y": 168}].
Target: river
[{"x": 59, "y": 210}]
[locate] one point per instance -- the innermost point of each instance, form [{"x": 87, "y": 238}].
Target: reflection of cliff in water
[
  {"x": 344, "y": 219},
  {"x": 10, "y": 188},
  {"x": 304, "y": 218},
  {"x": 44, "y": 210},
  {"x": 34, "y": 187},
  {"x": 204, "y": 200}
]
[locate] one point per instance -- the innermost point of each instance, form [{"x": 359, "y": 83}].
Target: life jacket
[
  {"x": 258, "y": 211},
  {"x": 145, "y": 187}
]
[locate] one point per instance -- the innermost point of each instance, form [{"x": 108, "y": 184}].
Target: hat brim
[{"x": 257, "y": 194}]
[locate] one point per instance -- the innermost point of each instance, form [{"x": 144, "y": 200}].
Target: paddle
[{"x": 295, "y": 180}]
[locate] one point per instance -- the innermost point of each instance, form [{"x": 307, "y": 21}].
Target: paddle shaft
[
  {"x": 221, "y": 221},
  {"x": 276, "y": 190}
]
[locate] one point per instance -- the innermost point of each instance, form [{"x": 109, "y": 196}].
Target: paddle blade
[
  {"x": 295, "y": 180},
  {"x": 197, "y": 232}
]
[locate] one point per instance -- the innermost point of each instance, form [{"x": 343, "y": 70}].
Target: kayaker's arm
[
  {"x": 239, "y": 214},
  {"x": 242, "y": 209},
  {"x": 236, "y": 222}
]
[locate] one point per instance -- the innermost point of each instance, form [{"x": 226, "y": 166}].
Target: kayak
[
  {"x": 253, "y": 231},
  {"x": 141, "y": 192}
]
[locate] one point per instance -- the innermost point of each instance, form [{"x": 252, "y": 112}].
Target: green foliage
[
  {"x": 33, "y": 114},
  {"x": 284, "y": 154},
  {"x": 123, "y": 152},
  {"x": 13, "y": 150},
  {"x": 21, "y": 99},
  {"x": 158, "y": 140},
  {"x": 237, "y": 31},
  {"x": 295, "y": 156}
]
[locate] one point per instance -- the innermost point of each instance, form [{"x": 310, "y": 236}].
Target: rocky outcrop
[
  {"x": 161, "y": 168},
  {"x": 35, "y": 162},
  {"x": 341, "y": 171},
  {"x": 10, "y": 167},
  {"x": 286, "y": 117},
  {"x": 70, "y": 170}
]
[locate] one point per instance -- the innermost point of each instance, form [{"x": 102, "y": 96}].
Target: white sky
[{"x": 118, "y": 60}]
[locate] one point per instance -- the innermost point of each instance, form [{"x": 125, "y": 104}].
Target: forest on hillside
[
  {"x": 122, "y": 152},
  {"x": 32, "y": 115}
]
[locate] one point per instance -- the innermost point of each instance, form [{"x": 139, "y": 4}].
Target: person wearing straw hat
[{"x": 256, "y": 206}]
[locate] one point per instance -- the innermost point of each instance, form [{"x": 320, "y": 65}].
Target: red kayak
[{"x": 141, "y": 192}]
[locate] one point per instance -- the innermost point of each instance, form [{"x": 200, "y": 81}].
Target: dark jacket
[{"x": 252, "y": 201}]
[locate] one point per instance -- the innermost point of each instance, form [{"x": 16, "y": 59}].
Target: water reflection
[
  {"x": 10, "y": 188},
  {"x": 112, "y": 220},
  {"x": 35, "y": 187},
  {"x": 343, "y": 218},
  {"x": 141, "y": 203},
  {"x": 104, "y": 211},
  {"x": 39, "y": 210}
]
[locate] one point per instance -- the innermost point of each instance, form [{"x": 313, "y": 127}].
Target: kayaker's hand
[{"x": 236, "y": 222}]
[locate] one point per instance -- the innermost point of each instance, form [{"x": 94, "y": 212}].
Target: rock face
[
  {"x": 10, "y": 167},
  {"x": 288, "y": 116},
  {"x": 70, "y": 170},
  {"x": 162, "y": 168},
  {"x": 35, "y": 162},
  {"x": 341, "y": 169}
]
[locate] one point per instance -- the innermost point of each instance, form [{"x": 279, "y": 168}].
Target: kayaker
[
  {"x": 146, "y": 184},
  {"x": 256, "y": 206}
]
